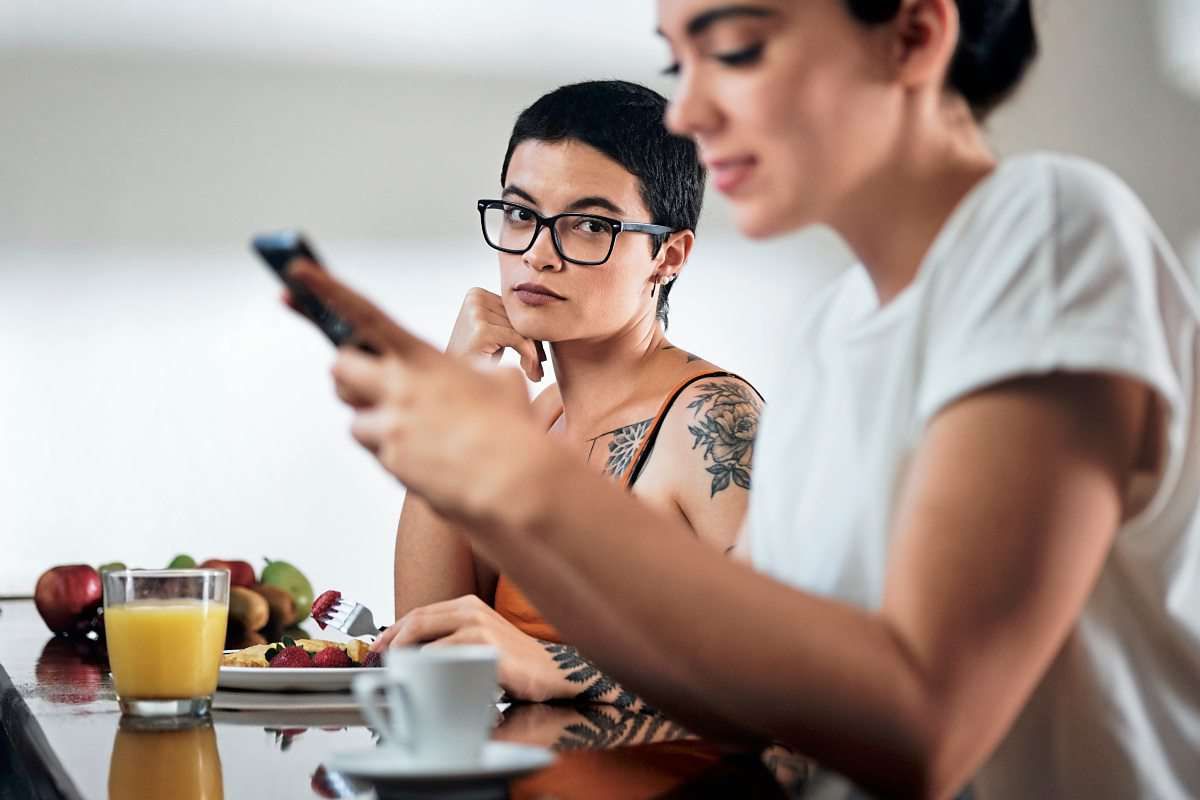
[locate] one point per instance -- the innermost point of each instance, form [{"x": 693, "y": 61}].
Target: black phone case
[{"x": 278, "y": 249}]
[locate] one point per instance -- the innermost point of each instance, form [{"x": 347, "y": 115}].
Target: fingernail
[{"x": 299, "y": 268}]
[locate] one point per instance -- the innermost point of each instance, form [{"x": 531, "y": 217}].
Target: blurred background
[{"x": 156, "y": 399}]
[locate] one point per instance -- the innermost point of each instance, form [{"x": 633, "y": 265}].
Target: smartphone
[{"x": 278, "y": 249}]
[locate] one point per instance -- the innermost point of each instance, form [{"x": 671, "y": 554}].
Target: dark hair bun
[{"x": 996, "y": 44}]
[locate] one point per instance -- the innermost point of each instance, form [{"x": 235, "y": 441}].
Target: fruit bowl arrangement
[{"x": 262, "y": 606}]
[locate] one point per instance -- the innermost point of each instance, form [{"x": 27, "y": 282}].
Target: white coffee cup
[{"x": 440, "y": 701}]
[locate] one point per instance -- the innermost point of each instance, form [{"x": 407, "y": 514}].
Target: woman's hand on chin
[
  {"x": 483, "y": 330},
  {"x": 527, "y": 670}
]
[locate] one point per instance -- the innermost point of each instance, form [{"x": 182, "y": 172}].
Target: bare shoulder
[{"x": 547, "y": 405}]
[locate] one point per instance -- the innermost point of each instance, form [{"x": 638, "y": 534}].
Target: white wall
[
  {"x": 1099, "y": 90},
  {"x": 159, "y": 400},
  {"x": 155, "y": 399}
]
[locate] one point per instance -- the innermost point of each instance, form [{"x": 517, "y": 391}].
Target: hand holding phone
[{"x": 278, "y": 250}]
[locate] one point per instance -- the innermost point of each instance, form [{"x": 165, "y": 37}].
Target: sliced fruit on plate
[
  {"x": 334, "y": 657},
  {"x": 256, "y": 656},
  {"x": 294, "y": 657}
]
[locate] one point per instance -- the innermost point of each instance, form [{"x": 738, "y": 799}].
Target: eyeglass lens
[{"x": 580, "y": 237}]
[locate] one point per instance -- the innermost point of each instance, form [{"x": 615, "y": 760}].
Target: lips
[
  {"x": 730, "y": 173},
  {"x": 535, "y": 294}
]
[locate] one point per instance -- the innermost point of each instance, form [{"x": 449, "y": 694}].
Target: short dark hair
[
  {"x": 624, "y": 121},
  {"x": 996, "y": 44}
]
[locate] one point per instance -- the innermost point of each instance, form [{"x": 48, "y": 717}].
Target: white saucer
[{"x": 391, "y": 772}]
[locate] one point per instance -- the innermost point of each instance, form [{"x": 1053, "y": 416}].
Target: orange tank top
[{"x": 510, "y": 602}]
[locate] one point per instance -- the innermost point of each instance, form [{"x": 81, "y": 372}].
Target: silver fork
[{"x": 352, "y": 619}]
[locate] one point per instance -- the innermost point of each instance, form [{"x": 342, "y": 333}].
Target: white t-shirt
[{"x": 1051, "y": 263}]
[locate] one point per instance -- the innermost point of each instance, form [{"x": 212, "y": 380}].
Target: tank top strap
[{"x": 647, "y": 446}]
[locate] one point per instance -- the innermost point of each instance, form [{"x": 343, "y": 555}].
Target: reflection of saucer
[{"x": 393, "y": 774}]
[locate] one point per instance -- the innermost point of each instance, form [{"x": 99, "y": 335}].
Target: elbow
[{"x": 930, "y": 767}]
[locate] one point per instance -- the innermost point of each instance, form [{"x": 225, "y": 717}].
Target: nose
[
  {"x": 692, "y": 111},
  {"x": 541, "y": 255}
]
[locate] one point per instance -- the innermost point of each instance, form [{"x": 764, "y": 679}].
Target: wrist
[
  {"x": 550, "y": 683},
  {"x": 525, "y": 502}
]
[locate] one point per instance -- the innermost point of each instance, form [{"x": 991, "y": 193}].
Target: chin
[
  {"x": 764, "y": 216},
  {"x": 531, "y": 327},
  {"x": 761, "y": 223}
]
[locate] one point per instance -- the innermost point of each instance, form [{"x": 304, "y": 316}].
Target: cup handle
[{"x": 366, "y": 687}]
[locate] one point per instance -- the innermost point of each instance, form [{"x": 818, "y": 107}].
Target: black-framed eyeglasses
[{"x": 584, "y": 239}]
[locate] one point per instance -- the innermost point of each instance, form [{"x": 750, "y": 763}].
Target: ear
[
  {"x": 926, "y": 35},
  {"x": 673, "y": 255}
]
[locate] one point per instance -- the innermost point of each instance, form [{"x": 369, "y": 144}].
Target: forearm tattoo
[
  {"x": 594, "y": 685},
  {"x": 726, "y": 422}
]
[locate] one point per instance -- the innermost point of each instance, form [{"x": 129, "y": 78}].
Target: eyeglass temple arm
[{"x": 645, "y": 227}]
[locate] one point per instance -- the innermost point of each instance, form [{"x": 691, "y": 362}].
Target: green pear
[{"x": 292, "y": 581}]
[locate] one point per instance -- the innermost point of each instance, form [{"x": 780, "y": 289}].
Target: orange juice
[
  {"x": 165, "y": 649},
  {"x": 180, "y": 764}
]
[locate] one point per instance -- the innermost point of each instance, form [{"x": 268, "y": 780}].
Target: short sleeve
[{"x": 1067, "y": 272}]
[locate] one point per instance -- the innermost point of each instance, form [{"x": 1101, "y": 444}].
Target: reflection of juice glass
[
  {"x": 165, "y": 631},
  {"x": 176, "y": 762}
]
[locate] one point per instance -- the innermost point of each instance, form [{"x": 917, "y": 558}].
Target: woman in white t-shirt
[{"x": 977, "y": 500}]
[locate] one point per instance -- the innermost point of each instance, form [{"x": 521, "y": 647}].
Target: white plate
[
  {"x": 288, "y": 679},
  {"x": 391, "y": 771},
  {"x": 235, "y": 700}
]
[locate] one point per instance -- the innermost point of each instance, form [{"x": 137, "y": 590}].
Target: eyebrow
[
  {"x": 595, "y": 201},
  {"x": 702, "y": 22},
  {"x": 519, "y": 192},
  {"x": 591, "y": 201}
]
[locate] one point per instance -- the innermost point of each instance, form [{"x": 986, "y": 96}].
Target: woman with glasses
[
  {"x": 975, "y": 524},
  {"x": 594, "y": 223}
]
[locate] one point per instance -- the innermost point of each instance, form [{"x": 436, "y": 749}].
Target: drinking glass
[{"x": 166, "y": 634}]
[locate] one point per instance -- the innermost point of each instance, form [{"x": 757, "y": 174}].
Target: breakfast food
[
  {"x": 324, "y": 604},
  {"x": 332, "y": 657},
  {"x": 260, "y": 655},
  {"x": 293, "y": 657}
]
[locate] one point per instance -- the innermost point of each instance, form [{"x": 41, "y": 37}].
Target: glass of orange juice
[{"x": 166, "y": 632}]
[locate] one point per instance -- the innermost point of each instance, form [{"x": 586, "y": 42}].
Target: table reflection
[
  {"x": 177, "y": 759},
  {"x": 281, "y": 750}
]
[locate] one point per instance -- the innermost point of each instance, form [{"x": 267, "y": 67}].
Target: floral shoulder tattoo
[{"x": 725, "y": 424}]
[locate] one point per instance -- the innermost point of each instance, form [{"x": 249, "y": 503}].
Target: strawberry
[
  {"x": 324, "y": 605},
  {"x": 323, "y": 784},
  {"x": 291, "y": 656},
  {"x": 332, "y": 657},
  {"x": 373, "y": 659}
]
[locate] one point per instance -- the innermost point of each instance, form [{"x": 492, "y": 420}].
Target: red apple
[
  {"x": 240, "y": 572},
  {"x": 69, "y": 598}
]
